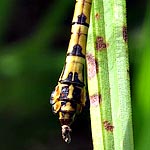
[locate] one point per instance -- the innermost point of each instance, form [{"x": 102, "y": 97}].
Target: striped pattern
[{"x": 68, "y": 98}]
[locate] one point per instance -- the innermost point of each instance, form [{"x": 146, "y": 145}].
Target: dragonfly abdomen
[{"x": 69, "y": 96}]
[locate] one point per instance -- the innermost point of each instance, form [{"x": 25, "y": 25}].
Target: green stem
[{"x": 108, "y": 85}]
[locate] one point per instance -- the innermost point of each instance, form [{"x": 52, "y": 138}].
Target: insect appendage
[{"x": 66, "y": 133}]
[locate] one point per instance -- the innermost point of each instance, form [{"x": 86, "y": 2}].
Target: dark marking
[
  {"x": 74, "y": 81},
  {"x": 95, "y": 100},
  {"x": 63, "y": 103},
  {"x": 92, "y": 66},
  {"x": 108, "y": 126},
  {"x": 66, "y": 121},
  {"x": 68, "y": 80},
  {"x": 77, "y": 94},
  {"x": 64, "y": 92},
  {"x": 97, "y": 16},
  {"x": 77, "y": 81},
  {"x": 81, "y": 20},
  {"x": 100, "y": 44},
  {"x": 77, "y": 51},
  {"x": 74, "y": 104},
  {"x": 125, "y": 34}
]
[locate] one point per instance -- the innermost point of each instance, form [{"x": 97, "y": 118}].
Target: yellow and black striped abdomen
[
  {"x": 69, "y": 96},
  {"x": 80, "y": 24}
]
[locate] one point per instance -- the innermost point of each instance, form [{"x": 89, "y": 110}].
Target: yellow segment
[
  {"x": 82, "y": 6},
  {"x": 78, "y": 37},
  {"x": 76, "y": 28},
  {"x": 73, "y": 66}
]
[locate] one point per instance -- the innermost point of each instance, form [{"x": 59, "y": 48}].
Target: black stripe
[
  {"x": 77, "y": 51},
  {"x": 81, "y": 20},
  {"x": 80, "y": 84},
  {"x": 81, "y": 23}
]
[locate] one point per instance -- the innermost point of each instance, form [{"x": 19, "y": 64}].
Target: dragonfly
[{"x": 69, "y": 96}]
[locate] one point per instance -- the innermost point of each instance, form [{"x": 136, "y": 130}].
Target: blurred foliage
[
  {"x": 34, "y": 35},
  {"x": 139, "y": 44}
]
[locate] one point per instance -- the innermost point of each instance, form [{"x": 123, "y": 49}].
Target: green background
[{"x": 34, "y": 36}]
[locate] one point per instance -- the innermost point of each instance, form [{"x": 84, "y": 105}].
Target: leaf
[{"x": 108, "y": 76}]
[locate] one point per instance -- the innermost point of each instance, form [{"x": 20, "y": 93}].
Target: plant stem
[{"x": 108, "y": 76}]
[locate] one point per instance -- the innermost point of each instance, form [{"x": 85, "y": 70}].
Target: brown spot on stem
[
  {"x": 124, "y": 32},
  {"x": 97, "y": 16},
  {"x": 95, "y": 100},
  {"x": 108, "y": 126},
  {"x": 100, "y": 44},
  {"x": 92, "y": 68}
]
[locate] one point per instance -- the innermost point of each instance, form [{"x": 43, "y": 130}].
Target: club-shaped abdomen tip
[{"x": 66, "y": 133}]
